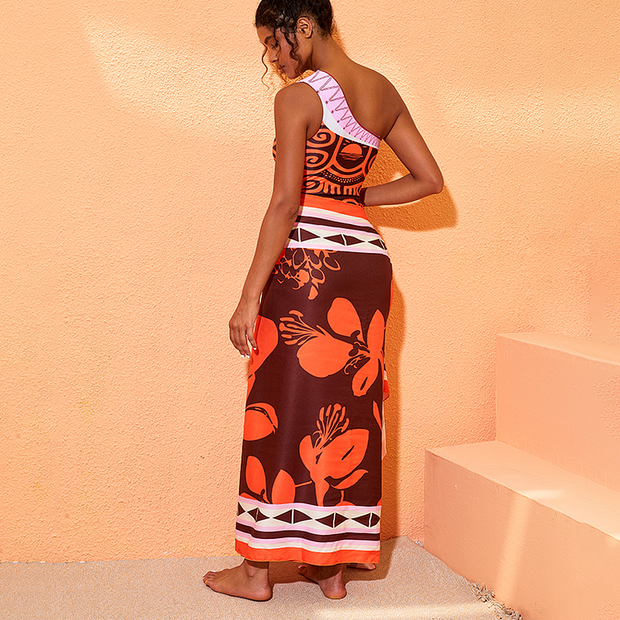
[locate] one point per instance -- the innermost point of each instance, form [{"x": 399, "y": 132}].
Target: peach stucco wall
[{"x": 136, "y": 166}]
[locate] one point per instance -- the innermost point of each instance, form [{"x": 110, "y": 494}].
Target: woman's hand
[{"x": 241, "y": 326}]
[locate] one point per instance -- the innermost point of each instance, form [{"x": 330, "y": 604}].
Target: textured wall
[{"x": 136, "y": 142}]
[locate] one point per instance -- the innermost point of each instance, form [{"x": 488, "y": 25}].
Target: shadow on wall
[{"x": 431, "y": 213}]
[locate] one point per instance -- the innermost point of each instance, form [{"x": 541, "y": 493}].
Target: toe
[{"x": 362, "y": 565}]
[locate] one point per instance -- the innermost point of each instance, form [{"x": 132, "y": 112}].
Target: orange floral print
[
  {"x": 319, "y": 353},
  {"x": 322, "y": 354},
  {"x": 306, "y": 268},
  {"x": 332, "y": 453}
]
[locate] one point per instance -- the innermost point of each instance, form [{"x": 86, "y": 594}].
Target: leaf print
[
  {"x": 283, "y": 490},
  {"x": 260, "y": 421},
  {"x": 377, "y": 414},
  {"x": 255, "y": 476}
]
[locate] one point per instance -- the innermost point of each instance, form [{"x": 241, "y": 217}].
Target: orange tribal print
[{"x": 313, "y": 438}]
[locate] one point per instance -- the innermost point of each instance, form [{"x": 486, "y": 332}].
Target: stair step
[
  {"x": 559, "y": 398},
  {"x": 547, "y": 541}
]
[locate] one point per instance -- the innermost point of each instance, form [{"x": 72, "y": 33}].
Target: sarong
[{"x": 310, "y": 483}]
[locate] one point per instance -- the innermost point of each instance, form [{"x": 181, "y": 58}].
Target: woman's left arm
[
  {"x": 424, "y": 176},
  {"x": 293, "y": 111}
]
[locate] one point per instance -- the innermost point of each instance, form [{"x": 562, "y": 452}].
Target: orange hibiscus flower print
[
  {"x": 322, "y": 353},
  {"x": 333, "y": 452}
]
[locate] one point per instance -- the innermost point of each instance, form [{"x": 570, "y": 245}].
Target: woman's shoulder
[
  {"x": 297, "y": 92},
  {"x": 356, "y": 77},
  {"x": 376, "y": 82},
  {"x": 299, "y": 103},
  {"x": 372, "y": 97},
  {"x": 297, "y": 95},
  {"x": 363, "y": 83},
  {"x": 372, "y": 76}
]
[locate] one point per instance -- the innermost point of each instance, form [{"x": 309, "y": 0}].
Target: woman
[{"x": 313, "y": 309}]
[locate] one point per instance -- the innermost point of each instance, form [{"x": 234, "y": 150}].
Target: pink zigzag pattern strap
[{"x": 337, "y": 104}]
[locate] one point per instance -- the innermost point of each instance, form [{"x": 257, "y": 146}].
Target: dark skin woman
[{"x": 294, "y": 46}]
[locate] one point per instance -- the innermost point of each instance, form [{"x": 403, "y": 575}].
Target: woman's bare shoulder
[
  {"x": 298, "y": 99},
  {"x": 296, "y": 93},
  {"x": 376, "y": 102},
  {"x": 379, "y": 84}
]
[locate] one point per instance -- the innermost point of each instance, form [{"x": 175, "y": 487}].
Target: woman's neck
[{"x": 327, "y": 53}]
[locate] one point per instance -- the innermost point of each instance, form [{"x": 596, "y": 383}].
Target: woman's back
[{"x": 371, "y": 98}]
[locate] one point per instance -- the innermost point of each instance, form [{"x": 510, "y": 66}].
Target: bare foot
[
  {"x": 248, "y": 580},
  {"x": 329, "y": 578},
  {"x": 362, "y": 565}
]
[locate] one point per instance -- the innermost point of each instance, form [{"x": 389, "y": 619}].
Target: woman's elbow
[
  {"x": 430, "y": 183},
  {"x": 285, "y": 207},
  {"x": 436, "y": 183}
]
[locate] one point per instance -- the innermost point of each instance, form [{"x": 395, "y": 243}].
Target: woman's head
[
  {"x": 283, "y": 14},
  {"x": 284, "y": 19}
]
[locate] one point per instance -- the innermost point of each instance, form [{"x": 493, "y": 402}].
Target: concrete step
[
  {"x": 547, "y": 541},
  {"x": 559, "y": 398}
]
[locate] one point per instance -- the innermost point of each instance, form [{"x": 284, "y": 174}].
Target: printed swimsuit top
[{"x": 341, "y": 152}]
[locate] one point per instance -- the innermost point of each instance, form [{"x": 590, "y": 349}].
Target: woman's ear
[{"x": 305, "y": 27}]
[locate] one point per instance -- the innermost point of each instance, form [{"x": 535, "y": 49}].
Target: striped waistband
[
  {"x": 332, "y": 204},
  {"x": 328, "y": 224}
]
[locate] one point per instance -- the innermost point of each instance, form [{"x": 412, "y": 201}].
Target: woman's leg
[
  {"x": 248, "y": 580},
  {"x": 329, "y": 578}
]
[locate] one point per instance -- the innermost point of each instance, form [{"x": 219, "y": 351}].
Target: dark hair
[{"x": 283, "y": 15}]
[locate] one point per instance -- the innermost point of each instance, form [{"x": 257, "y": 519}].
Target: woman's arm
[
  {"x": 424, "y": 176},
  {"x": 293, "y": 115}
]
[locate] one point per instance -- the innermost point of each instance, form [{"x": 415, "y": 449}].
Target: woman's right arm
[{"x": 293, "y": 114}]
